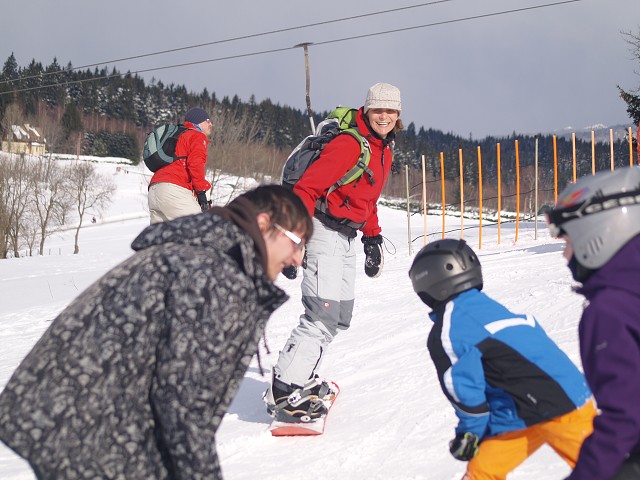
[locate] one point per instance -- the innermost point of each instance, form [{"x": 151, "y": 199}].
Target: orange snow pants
[{"x": 497, "y": 456}]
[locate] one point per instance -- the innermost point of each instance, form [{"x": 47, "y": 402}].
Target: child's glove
[
  {"x": 464, "y": 447},
  {"x": 374, "y": 258}
]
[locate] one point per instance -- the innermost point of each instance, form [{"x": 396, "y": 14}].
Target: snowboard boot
[{"x": 290, "y": 403}]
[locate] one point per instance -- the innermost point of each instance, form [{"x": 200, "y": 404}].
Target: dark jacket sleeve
[
  {"x": 610, "y": 352},
  {"x": 197, "y": 373}
]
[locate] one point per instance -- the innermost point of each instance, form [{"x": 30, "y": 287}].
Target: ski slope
[{"x": 391, "y": 420}]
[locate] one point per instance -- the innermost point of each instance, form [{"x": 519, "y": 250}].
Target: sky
[
  {"x": 537, "y": 70},
  {"x": 391, "y": 420}
]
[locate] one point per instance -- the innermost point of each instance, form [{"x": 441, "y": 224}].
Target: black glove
[
  {"x": 464, "y": 447},
  {"x": 202, "y": 200},
  {"x": 375, "y": 259},
  {"x": 291, "y": 272}
]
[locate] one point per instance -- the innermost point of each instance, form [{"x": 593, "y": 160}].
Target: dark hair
[
  {"x": 283, "y": 207},
  {"x": 398, "y": 126}
]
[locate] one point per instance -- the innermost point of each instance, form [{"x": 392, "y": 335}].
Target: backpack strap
[
  {"x": 362, "y": 164},
  {"x": 358, "y": 170}
]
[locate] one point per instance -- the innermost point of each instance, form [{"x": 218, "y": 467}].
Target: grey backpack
[{"x": 160, "y": 146}]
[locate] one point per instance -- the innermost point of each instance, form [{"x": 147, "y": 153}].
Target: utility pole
[{"x": 305, "y": 46}]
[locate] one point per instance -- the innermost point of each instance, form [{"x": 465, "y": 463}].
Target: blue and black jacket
[{"x": 500, "y": 370}]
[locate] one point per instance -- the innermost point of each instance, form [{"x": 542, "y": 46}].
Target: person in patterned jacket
[
  {"x": 181, "y": 188},
  {"x": 132, "y": 379},
  {"x": 512, "y": 388}
]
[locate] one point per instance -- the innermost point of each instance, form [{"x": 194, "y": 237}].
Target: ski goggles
[{"x": 556, "y": 217}]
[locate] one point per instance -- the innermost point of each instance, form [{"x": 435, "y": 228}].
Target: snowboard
[{"x": 301, "y": 429}]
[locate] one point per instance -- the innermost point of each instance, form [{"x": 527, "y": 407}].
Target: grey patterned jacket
[{"x": 132, "y": 379}]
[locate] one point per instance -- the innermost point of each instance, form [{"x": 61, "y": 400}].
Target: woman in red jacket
[
  {"x": 328, "y": 285},
  {"x": 180, "y": 188}
]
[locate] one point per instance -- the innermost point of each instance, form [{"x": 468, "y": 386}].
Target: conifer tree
[{"x": 632, "y": 98}]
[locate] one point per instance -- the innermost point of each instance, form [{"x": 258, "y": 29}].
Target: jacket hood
[
  {"x": 622, "y": 272},
  {"x": 232, "y": 229}
]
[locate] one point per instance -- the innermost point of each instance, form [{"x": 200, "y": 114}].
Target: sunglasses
[
  {"x": 291, "y": 236},
  {"x": 559, "y": 216}
]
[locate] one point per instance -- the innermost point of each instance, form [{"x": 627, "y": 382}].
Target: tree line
[{"x": 107, "y": 113}]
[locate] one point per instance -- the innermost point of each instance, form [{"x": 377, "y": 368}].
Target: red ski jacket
[
  {"x": 187, "y": 172},
  {"x": 356, "y": 201}
]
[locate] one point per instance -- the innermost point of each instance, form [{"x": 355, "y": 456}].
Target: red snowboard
[{"x": 297, "y": 429}]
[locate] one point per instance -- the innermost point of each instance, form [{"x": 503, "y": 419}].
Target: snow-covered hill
[{"x": 391, "y": 420}]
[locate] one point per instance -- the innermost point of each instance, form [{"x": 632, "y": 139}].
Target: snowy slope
[{"x": 391, "y": 420}]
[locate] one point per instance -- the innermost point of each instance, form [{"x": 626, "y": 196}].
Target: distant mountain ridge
[{"x": 601, "y": 132}]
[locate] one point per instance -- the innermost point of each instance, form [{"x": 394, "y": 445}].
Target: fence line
[{"x": 480, "y": 196}]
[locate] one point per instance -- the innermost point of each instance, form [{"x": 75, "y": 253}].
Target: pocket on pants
[{"x": 329, "y": 277}]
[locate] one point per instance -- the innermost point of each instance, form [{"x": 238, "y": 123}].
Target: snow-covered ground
[{"x": 391, "y": 420}]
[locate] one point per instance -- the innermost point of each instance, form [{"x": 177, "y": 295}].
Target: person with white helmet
[
  {"x": 512, "y": 388},
  {"x": 599, "y": 219}
]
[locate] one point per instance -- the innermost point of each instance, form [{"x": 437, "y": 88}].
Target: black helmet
[{"x": 444, "y": 268}]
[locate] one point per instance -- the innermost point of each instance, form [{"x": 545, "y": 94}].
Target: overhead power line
[
  {"x": 326, "y": 42},
  {"x": 243, "y": 37}
]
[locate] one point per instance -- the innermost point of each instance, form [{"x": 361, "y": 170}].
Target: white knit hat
[{"x": 383, "y": 95}]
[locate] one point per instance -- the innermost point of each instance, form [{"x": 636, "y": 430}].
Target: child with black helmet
[
  {"x": 599, "y": 218},
  {"x": 511, "y": 387}
]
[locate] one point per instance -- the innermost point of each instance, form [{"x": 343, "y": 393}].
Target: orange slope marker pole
[
  {"x": 638, "y": 143},
  {"x": 573, "y": 146},
  {"x": 630, "y": 148}
]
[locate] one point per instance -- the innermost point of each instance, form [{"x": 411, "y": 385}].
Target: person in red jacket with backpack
[
  {"x": 180, "y": 188},
  {"x": 328, "y": 285}
]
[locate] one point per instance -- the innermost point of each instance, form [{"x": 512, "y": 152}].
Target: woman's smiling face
[{"x": 382, "y": 120}]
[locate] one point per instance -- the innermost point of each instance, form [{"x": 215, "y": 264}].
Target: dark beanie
[{"x": 196, "y": 116}]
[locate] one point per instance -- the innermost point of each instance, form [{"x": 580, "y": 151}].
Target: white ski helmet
[{"x": 599, "y": 213}]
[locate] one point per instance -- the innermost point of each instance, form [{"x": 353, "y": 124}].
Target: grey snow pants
[{"x": 328, "y": 288}]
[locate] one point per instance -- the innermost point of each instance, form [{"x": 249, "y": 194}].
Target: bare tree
[
  {"x": 52, "y": 202},
  {"x": 52, "y": 131},
  {"x": 239, "y": 147},
  {"x": 5, "y": 180},
  {"x": 91, "y": 191},
  {"x": 15, "y": 196},
  {"x": 29, "y": 230}
]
